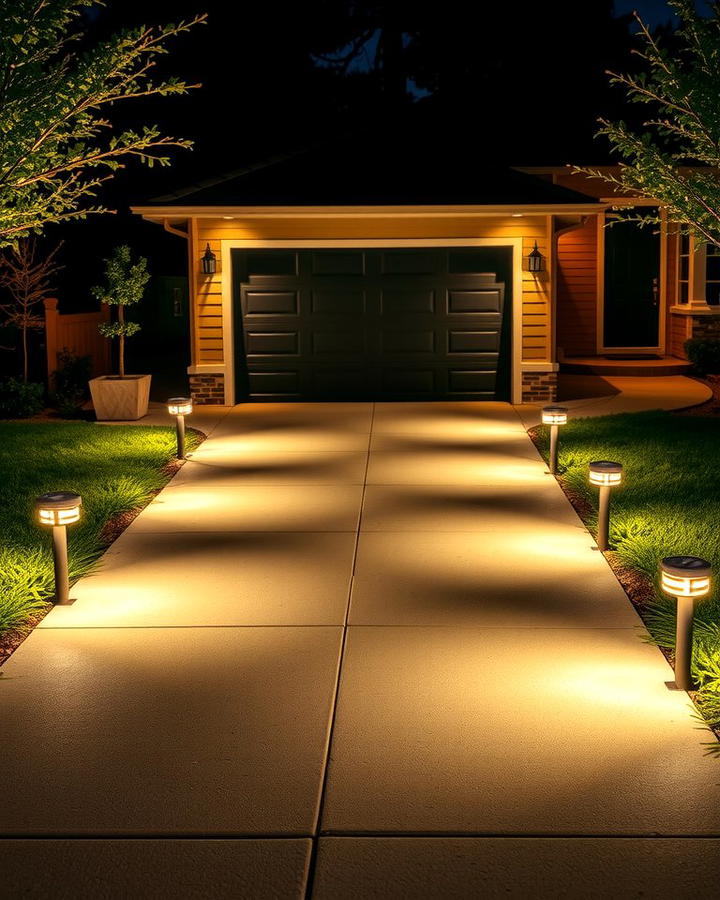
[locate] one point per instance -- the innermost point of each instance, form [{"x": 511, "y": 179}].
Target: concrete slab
[
  {"x": 198, "y": 507},
  {"x": 516, "y": 868},
  {"x": 246, "y": 440},
  {"x": 469, "y": 465},
  {"x": 193, "y": 869},
  {"x": 460, "y": 507},
  {"x": 206, "y": 578},
  {"x": 227, "y": 469},
  {"x": 434, "y": 418},
  {"x": 166, "y": 731},
  {"x": 494, "y": 682},
  {"x": 345, "y": 416},
  {"x": 515, "y": 731},
  {"x": 514, "y": 443},
  {"x": 548, "y": 578}
]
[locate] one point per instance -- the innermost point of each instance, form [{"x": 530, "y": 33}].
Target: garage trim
[{"x": 227, "y": 246}]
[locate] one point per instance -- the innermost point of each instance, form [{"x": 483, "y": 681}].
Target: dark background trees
[{"x": 518, "y": 82}]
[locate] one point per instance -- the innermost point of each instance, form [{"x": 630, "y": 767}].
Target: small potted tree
[{"x": 121, "y": 396}]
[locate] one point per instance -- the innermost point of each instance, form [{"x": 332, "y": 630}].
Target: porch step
[{"x": 649, "y": 367}]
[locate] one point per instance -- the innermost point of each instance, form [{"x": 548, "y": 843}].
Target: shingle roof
[{"x": 369, "y": 172}]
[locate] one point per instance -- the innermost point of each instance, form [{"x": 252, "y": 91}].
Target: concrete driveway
[{"x": 353, "y": 650}]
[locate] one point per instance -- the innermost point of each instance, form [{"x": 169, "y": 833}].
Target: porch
[{"x": 635, "y": 366}]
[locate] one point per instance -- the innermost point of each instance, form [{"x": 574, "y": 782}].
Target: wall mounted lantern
[
  {"x": 605, "y": 474},
  {"x": 686, "y": 578},
  {"x": 180, "y": 407},
  {"x": 535, "y": 260},
  {"x": 209, "y": 261},
  {"x": 554, "y": 416},
  {"x": 58, "y": 510}
]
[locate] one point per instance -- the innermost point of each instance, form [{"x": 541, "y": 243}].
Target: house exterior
[{"x": 356, "y": 274}]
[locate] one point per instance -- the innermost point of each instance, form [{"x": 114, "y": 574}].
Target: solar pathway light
[
  {"x": 605, "y": 475},
  {"x": 686, "y": 578},
  {"x": 58, "y": 510},
  {"x": 554, "y": 416},
  {"x": 180, "y": 407}
]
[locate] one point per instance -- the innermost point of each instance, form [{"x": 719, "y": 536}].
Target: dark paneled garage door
[{"x": 353, "y": 324}]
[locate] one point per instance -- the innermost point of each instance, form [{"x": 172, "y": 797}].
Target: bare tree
[{"x": 26, "y": 281}]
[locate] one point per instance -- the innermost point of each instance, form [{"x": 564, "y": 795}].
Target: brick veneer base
[
  {"x": 706, "y": 328},
  {"x": 536, "y": 386},
  {"x": 539, "y": 386},
  {"x": 208, "y": 390}
]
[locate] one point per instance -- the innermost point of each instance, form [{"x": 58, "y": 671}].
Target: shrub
[
  {"x": 71, "y": 384},
  {"x": 704, "y": 355},
  {"x": 20, "y": 399}
]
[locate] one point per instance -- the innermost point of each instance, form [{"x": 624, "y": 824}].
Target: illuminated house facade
[{"x": 327, "y": 275}]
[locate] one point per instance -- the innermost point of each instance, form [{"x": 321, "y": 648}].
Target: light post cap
[
  {"x": 605, "y": 473},
  {"x": 554, "y": 415},
  {"x": 685, "y": 576},
  {"x": 686, "y": 566},
  {"x": 58, "y": 507},
  {"x": 180, "y": 406},
  {"x": 605, "y": 465},
  {"x": 58, "y": 500}
]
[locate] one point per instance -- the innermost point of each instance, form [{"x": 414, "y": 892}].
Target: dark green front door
[
  {"x": 422, "y": 323},
  {"x": 632, "y": 273}
]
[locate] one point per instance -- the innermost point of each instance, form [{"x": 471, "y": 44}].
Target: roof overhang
[{"x": 160, "y": 213}]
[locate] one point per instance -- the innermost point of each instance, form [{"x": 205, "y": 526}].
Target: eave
[{"x": 161, "y": 213}]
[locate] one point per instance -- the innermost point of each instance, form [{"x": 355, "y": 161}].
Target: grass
[
  {"x": 668, "y": 505},
  {"x": 114, "y": 468}
]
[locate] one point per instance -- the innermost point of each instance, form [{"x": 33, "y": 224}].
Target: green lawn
[
  {"x": 668, "y": 505},
  {"x": 113, "y": 468}
]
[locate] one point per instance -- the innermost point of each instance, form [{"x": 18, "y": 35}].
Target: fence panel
[{"x": 78, "y": 333}]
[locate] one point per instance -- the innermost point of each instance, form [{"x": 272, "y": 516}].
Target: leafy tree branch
[
  {"x": 57, "y": 143},
  {"x": 673, "y": 156}
]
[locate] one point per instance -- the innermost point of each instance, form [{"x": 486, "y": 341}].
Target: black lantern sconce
[
  {"x": 209, "y": 262},
  {"x": 535, "y": 260}
]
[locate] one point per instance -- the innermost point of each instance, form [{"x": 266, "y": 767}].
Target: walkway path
[
  {"x": 592, "y": 395},
  {"x": 361, "y": 650}
]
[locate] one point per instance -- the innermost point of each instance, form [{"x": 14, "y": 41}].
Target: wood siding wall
[
  {"x": 207, "y": 336},
  {"x": 577, "y": 290}
]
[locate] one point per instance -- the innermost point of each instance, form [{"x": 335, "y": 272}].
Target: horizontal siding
[
  {"x": 679, "y": 331},
  {"x": 577, "y": 290},
  {"x": 207, "y": 306}
]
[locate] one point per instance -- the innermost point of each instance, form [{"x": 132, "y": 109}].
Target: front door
[{"x": 632, "y": 278}]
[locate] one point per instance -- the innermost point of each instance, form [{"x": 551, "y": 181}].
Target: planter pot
[{"x": 120, "y": 399}]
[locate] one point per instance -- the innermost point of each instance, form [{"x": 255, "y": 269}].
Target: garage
[{"x": 372, "y": 323}]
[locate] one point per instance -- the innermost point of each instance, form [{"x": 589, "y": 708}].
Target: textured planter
[{"x": 120, "y": 399}]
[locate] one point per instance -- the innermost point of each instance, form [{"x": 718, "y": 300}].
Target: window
[
  {"x": 698, "y": 272},
  {"x": 712, "y": 275},
  {"x": 684, "y": 255}
]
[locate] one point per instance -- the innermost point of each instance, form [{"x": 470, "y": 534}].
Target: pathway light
[
  {"x": 554, "y": 416},
  {"x": 605, "y": 474},
  {"x": 59, "y": 509},
  {"x": 686, "y": 578}
]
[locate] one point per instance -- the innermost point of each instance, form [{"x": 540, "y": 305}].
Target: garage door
[{"x": 376, "y": 323}]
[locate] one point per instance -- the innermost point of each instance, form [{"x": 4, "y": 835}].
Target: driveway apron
[{"x": 360, "y": 650}]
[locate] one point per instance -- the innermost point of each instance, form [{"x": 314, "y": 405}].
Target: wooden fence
[{"x": 77, "y": 333}]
